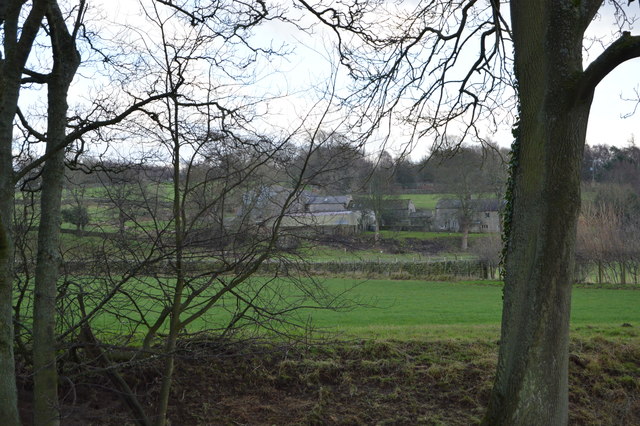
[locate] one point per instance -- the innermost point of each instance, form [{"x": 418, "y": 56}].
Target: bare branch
[
  {"x": 625, "y": 48},
  {"x": 428, "y": 67},
  {"x": 84, "y": 129}
]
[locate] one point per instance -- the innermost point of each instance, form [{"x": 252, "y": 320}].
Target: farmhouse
[
  {"x": 485, "y": 215},
  {"x": 397, "y": 210},
  {"x": 326, "y": 214},
  {"x": 267, "y": 202},
  {"x": 325, "y": 222},
  {"x": 328, "y": 203}
]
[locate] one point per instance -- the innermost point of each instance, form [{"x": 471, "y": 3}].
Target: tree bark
[
  {"x": 464, "y": 245},
  {"x": 8, "y": 391},
  {"x": 176, "y": 301},
  {"x": 17, "y": 46},
  {"x": 532, "y": 378},
  {"x": 66, "y": 60}
]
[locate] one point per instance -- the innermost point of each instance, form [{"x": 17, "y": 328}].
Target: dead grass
[{"x": 354, "y": 383}]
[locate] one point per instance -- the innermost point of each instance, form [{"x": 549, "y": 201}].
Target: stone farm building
[
  {"x": 308, "y": 212},
  {"x": 341, "y": 214},
  {"x": 485, "y": 215}
]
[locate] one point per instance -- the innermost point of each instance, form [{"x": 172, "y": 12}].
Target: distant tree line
[
  {"x": 609, "y": 227},
  {"x": 611, "y": 164}
]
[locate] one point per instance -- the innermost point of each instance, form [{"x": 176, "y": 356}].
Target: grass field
[
  {"x": 429, "y": 201},
  {"x": 410, "y": 309},
  {"x": 424, "y": 201},
  {"x": 467, "y": 311},
  {"x": 410, "y": 352}
]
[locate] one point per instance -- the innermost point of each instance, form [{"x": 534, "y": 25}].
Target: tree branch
[
  {"x": 34, "y": 77},
  {"x": 625, "y": 48},
  {"x": 77, "y": 134},
  {"x": 33, "y": 132}
]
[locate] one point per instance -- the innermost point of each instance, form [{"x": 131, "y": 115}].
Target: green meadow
[
  {"x": 410, "y": 309},
  {"x": 429, "y": 201},
  {"x": 466, "y": 310},
  {"x": 424, "y": 201}
]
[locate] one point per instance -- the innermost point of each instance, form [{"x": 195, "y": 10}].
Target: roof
[
  {"x": 448, "y": 203},
  {"x": 329, "y": 199},
  {"x": 321, "y": 219},
  {"x": 363, "y": 202},
  {"x": 487, "y": 205},
  {"x": 396, "y": 204}
]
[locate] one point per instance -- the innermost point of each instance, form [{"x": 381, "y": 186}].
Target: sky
[
  {"x": 299, "y": 81},
  {"x": 612, "y": 102},
  {"x": 606, "y": 122}
]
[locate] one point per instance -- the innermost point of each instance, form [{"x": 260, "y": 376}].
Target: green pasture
[
  {"x": 163, "y": 190},
  {"x": 405, "y": 310},
  {"x": 424, "y": 201},
  {"x": 429, "y": 201},
  {"x": 412, "y": 309}
]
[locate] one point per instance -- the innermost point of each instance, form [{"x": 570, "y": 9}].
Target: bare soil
[
  {"x": 424, "y": 247},
  {"x": 343, "y": 383}
]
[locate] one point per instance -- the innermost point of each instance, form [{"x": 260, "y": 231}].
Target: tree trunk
[
  {"x": 532, "y": 378},
  {"x": 65, "y": 63},
  {"x": 599, "y": 271},
  {"x": 176, "y": 302},
  {"x": 17, "y": 45},
  {"x": 8, "y": 392},
  {"x": 44, "y": 308},
  {"x": 464, "y": 245}
]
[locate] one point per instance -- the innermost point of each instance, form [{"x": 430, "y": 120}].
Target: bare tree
[
  {"x": 66, "y": 61},
  {"x": 608, "y": 234},
  {"x": 21, "y": 25},
  {"x": 489, "y": 251},
  {"x": 407, "y": 60},
  {"x": 192, "y": 246},
  {"x": 19, "y": 33},
  {"x": 333, "y": 164}
]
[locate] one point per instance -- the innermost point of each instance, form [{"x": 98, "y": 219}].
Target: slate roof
[
  {"x": 329, "y": 199},
  {"x": 321, "y": 219}
]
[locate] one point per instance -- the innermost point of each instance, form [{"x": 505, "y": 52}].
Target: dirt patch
[
  {"x": 425, "y": 247},
  {"x": 347, "y": 383}
]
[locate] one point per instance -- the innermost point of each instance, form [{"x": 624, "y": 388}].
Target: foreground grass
[
  {"x": 409, "y": 352},
  {"x": 390, "y": 382}
]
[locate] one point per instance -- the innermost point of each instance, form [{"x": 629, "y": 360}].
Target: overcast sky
[
  {"x": 309, "y": 66},
  {"x": 606, "y": 125},
  {"x": 606, "y": 122}
]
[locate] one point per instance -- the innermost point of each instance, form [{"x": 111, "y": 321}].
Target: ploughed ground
[{"x": 346, "y": 382}]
